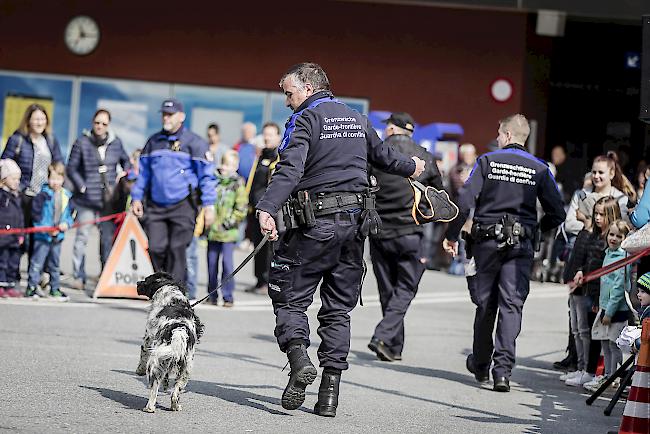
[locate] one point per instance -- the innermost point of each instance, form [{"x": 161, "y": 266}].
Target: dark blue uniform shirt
[
  {"x": 509, "y": 181},
  {"x": 326, "y": 148},
  {"x": 171, "y": 165}
]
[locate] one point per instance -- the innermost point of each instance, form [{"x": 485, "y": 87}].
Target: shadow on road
[
  {"x": 228, "y": 392},
  {"x": 234, "y": 393},
  {"x": 128, "y": 400},
  {"x": 366, "y": 359}
]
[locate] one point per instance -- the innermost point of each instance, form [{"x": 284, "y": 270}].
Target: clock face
[{"x": 81, "y": 35}]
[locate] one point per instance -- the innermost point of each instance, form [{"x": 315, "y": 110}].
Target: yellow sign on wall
[{"x": 15, "y": 106}]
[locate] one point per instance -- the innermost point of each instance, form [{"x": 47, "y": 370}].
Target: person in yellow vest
[{"x": 256, "y": 186}]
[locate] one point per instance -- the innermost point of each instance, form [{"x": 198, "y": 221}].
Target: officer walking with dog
[
  {"x": 321, "y": 183},
  {"x": 503, "y": 188},
  {"x": 396, "y": 251},
  {"x": 176, "y": 178}
]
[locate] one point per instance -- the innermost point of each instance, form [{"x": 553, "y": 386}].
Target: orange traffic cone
[{"x": 636, "y": 416}]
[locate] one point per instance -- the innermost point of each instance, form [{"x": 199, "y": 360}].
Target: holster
[
  {"x": 302, "y": 209},
  {"x": 508, "y": 232}
]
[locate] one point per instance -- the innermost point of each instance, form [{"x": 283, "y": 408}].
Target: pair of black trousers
[
  {"x": 170, "y": 230},
  {"x": 330, "y": 252},
  {"x": 500, "y": 287},
  {"x": 398, "y": 270}
]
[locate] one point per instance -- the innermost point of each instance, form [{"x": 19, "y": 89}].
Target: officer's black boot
[
  {"x": 328, "y": 393},
  {"x": 302, "y": 374}
]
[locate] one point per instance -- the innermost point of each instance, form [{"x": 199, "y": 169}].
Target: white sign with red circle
[{"x": 501, "y": 89}]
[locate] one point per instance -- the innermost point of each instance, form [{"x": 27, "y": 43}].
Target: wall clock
[{"x": 81, "y": 35}]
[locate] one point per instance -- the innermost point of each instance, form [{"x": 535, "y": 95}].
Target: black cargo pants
[
  {"x": 501, "y": 284},
  {"x": 329, "y": 252},
  {"x": 398, "y": 269},
  {"x": 170, "y": 230}
]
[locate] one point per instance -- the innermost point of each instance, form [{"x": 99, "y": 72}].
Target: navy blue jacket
[
  {"x": 509, "y": 181},
  {"x": 11, "y": 217},
  {"x": 173, "y": 164},
  {"x": 326, "y": 148},
  {"x": 25, "y": 158},
  {"x": 83, "y": 169}
]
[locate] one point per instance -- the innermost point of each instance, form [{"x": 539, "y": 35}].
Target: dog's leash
[{"x": 239, "y": 267}]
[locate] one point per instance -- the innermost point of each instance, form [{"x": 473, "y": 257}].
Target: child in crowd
[
  {"x": 614, "y": 312},
  {"x": 587, "y": 255},
  {"x": 51, "y": 207},
  {"x": 11, "y": 217},
  {"x": 643, "y": 294},
  {"x": 230, "y": 209}
]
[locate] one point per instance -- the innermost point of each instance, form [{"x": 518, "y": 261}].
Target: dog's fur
[{"x": 171, "y": 332}]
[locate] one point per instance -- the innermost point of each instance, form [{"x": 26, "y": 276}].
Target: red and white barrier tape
[
  {"x": 596, "y": 274},
  {"x": 21, "y": 231}
]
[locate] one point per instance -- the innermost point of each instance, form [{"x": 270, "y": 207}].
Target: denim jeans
[
  {"x": 45, "y": 253},
  {"x": 580, "y": 306},
  {"x": 226, "y": 252},
  {"x": 106, "y": 232},
  {"x": 192, "y": 267}
]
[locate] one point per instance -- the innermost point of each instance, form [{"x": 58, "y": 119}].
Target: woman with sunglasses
[{"x": 92, "y": 168}]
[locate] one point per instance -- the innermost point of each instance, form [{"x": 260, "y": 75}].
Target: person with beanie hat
[{"x": 11, "y": 217}]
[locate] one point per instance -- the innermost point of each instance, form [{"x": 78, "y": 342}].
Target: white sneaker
[
  {"x": 580, "y": 379},
  {"x": 595, "y": 384},
  {"x": 568, "y": 375}
]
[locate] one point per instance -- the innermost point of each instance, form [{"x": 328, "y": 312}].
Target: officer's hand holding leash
[
  {"x": 267, "y": 224},
  {"x": 137, "y": 208},
  {"x": 419, "y": 167}
]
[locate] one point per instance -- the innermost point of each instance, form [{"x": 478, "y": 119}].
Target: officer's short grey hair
[
  {"x": 307, "y": 72},
  {"x": 518, "y": 126}
]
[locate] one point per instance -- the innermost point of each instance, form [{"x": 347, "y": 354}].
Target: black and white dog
[{"x": 171, "y": 332}]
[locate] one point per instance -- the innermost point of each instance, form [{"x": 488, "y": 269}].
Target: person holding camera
[
  {"x": 92, "y": 168},
  {"x": 503, "y": 188}
]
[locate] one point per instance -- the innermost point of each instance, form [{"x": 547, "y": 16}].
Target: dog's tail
[{"x": 167, "y": 355}]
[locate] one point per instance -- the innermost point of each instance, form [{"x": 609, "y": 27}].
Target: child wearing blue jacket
[
  {"x": 50, "y": 208},
  {"x": 614, "y": 311}
]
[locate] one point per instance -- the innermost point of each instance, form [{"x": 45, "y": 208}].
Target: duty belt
[
  {"x": 507, "y": 232},
  {"x": 303, "y": 208},
  {"x": 493, "y": 232},
  {"x": 325, "y": 204}
]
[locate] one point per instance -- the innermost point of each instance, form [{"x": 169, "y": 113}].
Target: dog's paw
[{"x": 149, "y": 409}]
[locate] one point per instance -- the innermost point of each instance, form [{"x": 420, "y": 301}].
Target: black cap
[
  {"x": 402, "y": 120},
  {"x": 171, "y": 105}
]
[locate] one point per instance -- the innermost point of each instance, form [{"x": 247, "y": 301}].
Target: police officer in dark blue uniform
[
  {"x": 176, "y": 178},
  {"x": 320, "y": 183},
  {"x": 503, "y": 188},
  {"x": 397, "y": 251}
]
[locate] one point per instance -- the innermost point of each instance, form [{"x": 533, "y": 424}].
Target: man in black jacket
[
  {"x": 396, "y": 252},
  {"x": 266, "y": 162},
  {"x": 323, "y": 166}
]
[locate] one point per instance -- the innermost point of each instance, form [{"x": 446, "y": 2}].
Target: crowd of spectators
[
  {"x": 99, "y": 174},
  {"x": 38, "y": 191}
]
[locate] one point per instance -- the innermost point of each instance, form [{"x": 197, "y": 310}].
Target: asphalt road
[{"x": 69, "y": 367}]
